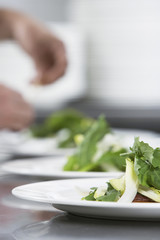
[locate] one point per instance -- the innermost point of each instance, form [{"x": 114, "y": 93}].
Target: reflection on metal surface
[{"x": 65, "y": 226}]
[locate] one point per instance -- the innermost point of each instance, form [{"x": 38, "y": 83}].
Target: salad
[
  {"x": 98, "y": 150},
  {"x": 63, "y": 125},
  {"x": 141, "y": 181}
]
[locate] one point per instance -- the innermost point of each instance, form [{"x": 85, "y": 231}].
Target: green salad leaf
[
  {"x": 142, "y": 169},
  {"x": 72, "y": 120},
  {"x": 108, "y": 161},
  {"x": 65, "y": 119},
  {"x": 111, "y": 195},
  {"x": 142, "y": 150},
  {"x": 90, "y": 196},
  {"x": 142, "y": 175},
  {"x": 156, "y": 158},
  {"x": 111, "y": 158},
  {"x": 97, "y": 151},
  {"x": 88, "y": 146},
  {"x": 146, "y": 164}
]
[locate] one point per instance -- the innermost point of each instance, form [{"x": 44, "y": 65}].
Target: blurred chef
[{"x": 48, "y": 54}]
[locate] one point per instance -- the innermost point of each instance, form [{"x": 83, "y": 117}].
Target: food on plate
[
  {"x": 64, "y": 125},
  {"x": 98, "y": 150},
  {"x": 140, "y": 182}
]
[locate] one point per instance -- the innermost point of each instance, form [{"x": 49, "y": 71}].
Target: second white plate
[
  {"x": 50, "y": 167},
  {"x": 39, "y": 147}
]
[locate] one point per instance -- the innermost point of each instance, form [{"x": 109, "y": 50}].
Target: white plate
[
  {"x": 50, "y": 167},
  {"x": 66, "y": 195},
  {"x": 127, "y": 136},
  {"x": 37, "y": 147}
]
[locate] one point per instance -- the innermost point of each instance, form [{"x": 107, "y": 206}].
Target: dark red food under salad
[{"x": 140, "y": 198}]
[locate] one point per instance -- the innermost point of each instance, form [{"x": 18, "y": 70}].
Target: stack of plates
[
  {"x": 124, "y": 55},
  {"x": 9, "y": 142}
]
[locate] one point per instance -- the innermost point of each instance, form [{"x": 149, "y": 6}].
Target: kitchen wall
[{"x": 47, "y": 10}]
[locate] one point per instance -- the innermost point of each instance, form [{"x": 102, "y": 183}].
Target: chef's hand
[
  {"x": 15, "y": 113},
  {"x": 47, "y": 51}
]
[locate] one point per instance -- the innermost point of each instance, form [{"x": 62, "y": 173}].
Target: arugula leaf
[
  {"x": 156, "y": 158},
  {"x": 148, "y": 176},
  {"x": 114, "y": 159},
  {"x": 111, "y": 195},
  {"x": 142, "y": 169},
  {"x": 92, "y": 167},
  {"x": 154, "y": 177},
  {"x": 90, "y": 197},
  {"x": 146, "y": 164},
  {"x": 88, "y": 147},
  {"x": 83, "y": 160},
  {"x": 107, "y": 160},
  {"x": 72, "y": 163},
  {"x": 65, "y": 119},
  {"x": 142, "y": 150}
]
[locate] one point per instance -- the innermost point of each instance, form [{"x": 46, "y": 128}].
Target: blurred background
[{"x": 113, "y": 54}]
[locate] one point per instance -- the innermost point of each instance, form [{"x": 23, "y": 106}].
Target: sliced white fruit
[
  {"x": 100, "y": 191},
  {"x": 151, "y": 193},
  {"x": 131, "y": 183},
  {"x": 118, "y": 183}
]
